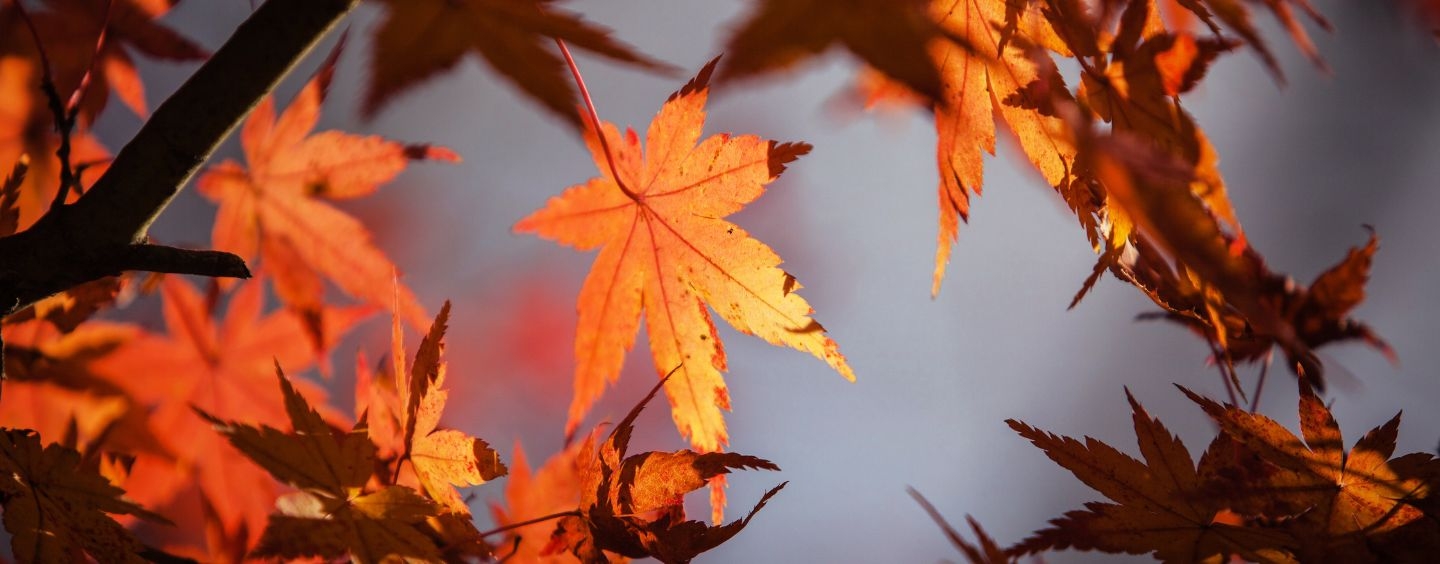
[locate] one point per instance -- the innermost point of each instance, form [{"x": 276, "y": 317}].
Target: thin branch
[
  {"x": 512, "y": 526},
  {"x": 79, "y": 92},
  {"x": 1260, "y": 382},
  {"x": 1221, "y": 361},
  {"x": 64, "y": 118}
]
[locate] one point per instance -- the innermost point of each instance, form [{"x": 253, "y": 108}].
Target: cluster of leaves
[
  {"x": 93, "y": 382},
  {"x": 354, "y": 497},
  {"x": 1258, "y": 492},
  {"x": 632, "y": 506},
  {"x": 1118, "y": 148},
  {"x": 1128, "y": 160}
]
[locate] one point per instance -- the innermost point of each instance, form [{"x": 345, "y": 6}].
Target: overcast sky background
[{"x": 1307, "y": 166}]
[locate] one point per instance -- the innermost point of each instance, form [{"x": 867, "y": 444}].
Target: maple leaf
[
  {"x": 1165, "y": 505},
  {"x": 419, "y": 38},
  {"x": 1318, "y": 314},
  {"x": 1235, "y": 15},
  {"x": 1209, "y": 279},
  {"x": 276, "y": 207},
  {"x": 403, "y": 409},
  {"x": 666, "y": 250},
  {"x": 1341, "y": 501},
  {"x": 553, "y": 488},
  {"x": 890, "y": 35},
  {"x": 67, "y": 310},
  {"x": 987, "y": 552},
  {"x": 331, "y": 516},
  {"x": 50, "y": 386},
  {"x": 443, "y": 458},
  {"x": 633, "y": 505},
  {"x": 71, "y": 32},
  {"x": 223, "y": 367},
  {"x": 1136, "y": 89},
  {"x": 981, "y": 81},
  {"x": 54, "y": 509}
]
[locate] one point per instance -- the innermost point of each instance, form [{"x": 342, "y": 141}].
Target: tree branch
[{"x": 104, "y": 232}]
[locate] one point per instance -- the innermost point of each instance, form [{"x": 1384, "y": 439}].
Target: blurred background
[{"x": 1308, "y": 163}]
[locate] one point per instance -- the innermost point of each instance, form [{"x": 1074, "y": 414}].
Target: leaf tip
[
  {"x": 782, "y": 154},
  {"x": 428, "y": 152},
  {"x": 698, "y": 85}
]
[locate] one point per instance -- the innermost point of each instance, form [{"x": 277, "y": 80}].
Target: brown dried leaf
[
  {"x": 1162, "y": 505},
  {"x": 419, "y": 38},
  {"x": 55, "y": 510},
  {"x": 1339, "y": 500},
  {"x": 890, "y": 35},
  {"x": 633, "y": 506}
]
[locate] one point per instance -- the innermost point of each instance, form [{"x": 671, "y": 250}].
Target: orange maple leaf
[
  {"x": 419, "y": 38},
  {"x": 1258, "y": 492},
  {"x": 71, "y": 30},
  {"x": 1236, "y": 16},
  {"x": 981, "y": 81},
  {"x": 51, "y": 388},
  {"x": 408, "y": 420},
  {"x": 1137, "y": 90},
  {"x": 553, "y": 488},
  {"x": 666, "y": 250},
  {"x": 276, "y": 208},
  {"x": 225, "y": 367},
  {"x": 403, "y": 410}
]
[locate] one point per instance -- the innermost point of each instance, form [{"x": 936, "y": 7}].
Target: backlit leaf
[{"x": 666, "y": 249}]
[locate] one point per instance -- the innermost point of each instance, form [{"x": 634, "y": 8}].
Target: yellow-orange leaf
[
  {"x": 982, "y": 81},
  {"x": 666, "y": 249},
  {"x": 405, "y": 414}
]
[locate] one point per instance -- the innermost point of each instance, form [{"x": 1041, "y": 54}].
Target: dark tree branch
[
  {"x": 104, "y": 232},
  {"x": 160, "y": 258}
]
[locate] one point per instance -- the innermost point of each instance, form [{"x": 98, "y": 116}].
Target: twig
[
  {"x": 64, "y": 119},
  {"x": 1221, "y": 362},
  {"x": 79, "y": 92},
  {"x": 1260, "y": 382},
  {"x": 512, "y": 526}
]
